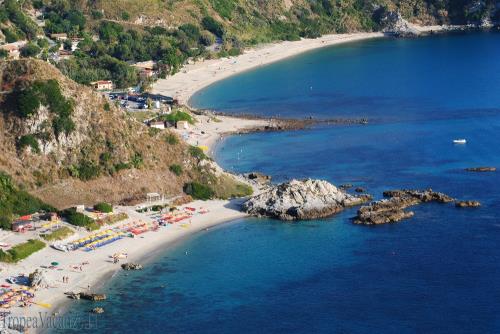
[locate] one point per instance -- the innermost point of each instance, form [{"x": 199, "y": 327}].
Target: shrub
[
  {"x": 59, "y": 234},
  {"x": 215, "y": 27},
  {"x": 198, "y": 191},
  {"x": 176, "y": 169},
  {"x": 78, "y": 219},
  {"x": 125, "y": 16},
  {"x": 121, "y": 166},
  {"x": 3, "y": 54},
  {"x": 28, "y": 140},
  {"x": 21, "y": 251},
  {"x": 27, "y": 102},
  {"x": 103, "y": 207},
  {"x": 153, "y": 131},
  {"x": 197, "y": 153},
  {"x": 106, "y": 106},
  {"x": 87, "y": 170},
  {"x": 171, "y": 139},
  {"x": 96, "y": 15},
  {"x": 137, "y": 161},
  {"x": 176, "y": 116},
  {"x": 10, "y": 35},
  {"x": 30, "y": 50}
]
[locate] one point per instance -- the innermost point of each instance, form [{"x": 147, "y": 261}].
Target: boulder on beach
[
  {"x": 307, "y": 199},
  {"x": 131, "y": 266}
]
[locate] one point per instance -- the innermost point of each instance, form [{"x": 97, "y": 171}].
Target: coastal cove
[{"x": 436, "y": 272}]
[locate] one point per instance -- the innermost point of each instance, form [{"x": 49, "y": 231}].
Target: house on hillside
[
  {"x": 157, "y": 125},
  {"x": 102, "y": 85},
  {"x": 64, "y": 54},
  {"x": 146, "y": 69},
  {"x": 13, "y": 49},
  {"x": 59, "y": 37}
]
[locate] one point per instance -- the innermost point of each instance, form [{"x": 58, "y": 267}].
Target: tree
[{"x": 30, "y": 50}]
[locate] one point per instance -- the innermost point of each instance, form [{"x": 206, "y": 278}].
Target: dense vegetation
[
  {"x": 25, "y": 102},
  {"x": 103, "y": 207},
  {"x": 59, "y": 234},
  {"x": 234, "y": 24},
  {"x": 79, "y": 219},
  {"x": 15, "y": 202},
  {"x": 21, "y": 251},
  {"x": 199, "y": 191},
  {"x": 177, "y": 115}
]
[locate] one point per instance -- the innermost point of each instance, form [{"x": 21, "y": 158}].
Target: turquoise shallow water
[{"x": 435, "y": 273}]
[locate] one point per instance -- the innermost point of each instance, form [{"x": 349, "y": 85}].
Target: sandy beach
[
  {"x": 201, "y": 74},
  {"x": 100, "y": 264},
  {"x": 196, "y": 76}
]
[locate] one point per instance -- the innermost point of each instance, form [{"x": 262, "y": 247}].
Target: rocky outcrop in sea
[
  {"x": 307, "y": 199},
  {"x": 481, "y": 169},
  {"x": 392, "y": 209}
]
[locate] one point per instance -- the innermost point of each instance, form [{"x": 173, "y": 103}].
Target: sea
[{"x": 438, "y": 272}]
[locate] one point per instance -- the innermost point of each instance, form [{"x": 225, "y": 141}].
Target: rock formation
[
  {"x": 481, "y": 169},
  {"x": 258, "y": 178},
  {"x": 131, "y": 266},
  {"x": 393, "y": 209},
  {"x": 467, "y": 204},
  {"x": 396, "y": 25},
  {"x": 308, "y": 199}
]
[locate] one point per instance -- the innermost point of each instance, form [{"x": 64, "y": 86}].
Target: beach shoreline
[
  {"x": 152, "y": 244},
  {"x": 196, "y": 76},
  {"x": 100, "y": 268}
]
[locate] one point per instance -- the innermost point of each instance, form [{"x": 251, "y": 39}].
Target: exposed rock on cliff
[
  {"x": 308, "y": 199},
  {"x": 395, "y": 24}
]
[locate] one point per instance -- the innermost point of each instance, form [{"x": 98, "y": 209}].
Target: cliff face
[{"x": 105, "y": 155}]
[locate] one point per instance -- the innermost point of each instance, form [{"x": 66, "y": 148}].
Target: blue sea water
[{"x": 438, "y": 272}]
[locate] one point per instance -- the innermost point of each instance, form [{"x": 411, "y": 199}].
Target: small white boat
[{"x": 459, "y": 141}]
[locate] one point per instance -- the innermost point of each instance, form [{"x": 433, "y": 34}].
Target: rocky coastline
[
  {"x": 392, "y": 209},
  {"x": 301, "y": 200}
]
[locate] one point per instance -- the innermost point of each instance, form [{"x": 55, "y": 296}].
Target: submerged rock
[
  {"x": 93, "y": 296},
  {"x": 481, "y": 169},
  {"x": 131, "y": 266},
  {"x": 467, "y": 204},
  {"x": 97, "y": 310},
  {"x": 258, "y": 177},
  {"x": 308, "y": 199},
  {"x": 392, "y": 210}
]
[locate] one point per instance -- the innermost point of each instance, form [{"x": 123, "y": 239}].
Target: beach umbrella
[{"x": 54, "y": 263}]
